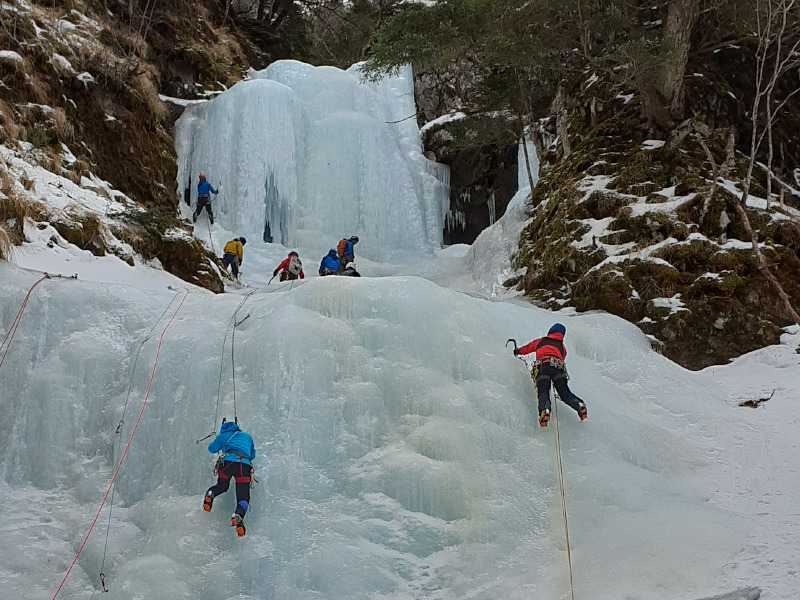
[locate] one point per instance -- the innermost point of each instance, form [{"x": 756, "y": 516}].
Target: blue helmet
[{"x": 557, "y": 328}]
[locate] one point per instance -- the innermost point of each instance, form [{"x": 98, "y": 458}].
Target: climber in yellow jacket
[{"x": 234, "y": 253}]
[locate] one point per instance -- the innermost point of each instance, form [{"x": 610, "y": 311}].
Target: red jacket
[
  {"x": 552, "y": 345},
  {"x": 285, "y": 264}
]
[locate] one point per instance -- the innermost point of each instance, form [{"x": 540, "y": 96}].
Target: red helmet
[{"x": 202, "y": 175}]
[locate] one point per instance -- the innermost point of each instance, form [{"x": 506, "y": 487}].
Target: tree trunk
[
  {"x": 681, "y": 18},
  {"x": 527, "y": 158},
  {"x": 262, "y": 5}
]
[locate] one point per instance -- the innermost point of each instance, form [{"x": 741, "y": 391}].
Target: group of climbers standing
[{"x": 341, "y": 260}]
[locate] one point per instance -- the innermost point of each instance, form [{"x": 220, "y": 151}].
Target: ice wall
[
  {"x": 397, "y": 450},
  {"x": 317, "y": 155}
]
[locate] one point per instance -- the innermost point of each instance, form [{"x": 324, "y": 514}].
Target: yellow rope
[{"x": 554, "y": 403}]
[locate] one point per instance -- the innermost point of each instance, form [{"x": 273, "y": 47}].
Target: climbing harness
[
  {"x": 125, "y": 452},
  {"x": 12, "y": 330},
  {"x": 534, "y": 369}
]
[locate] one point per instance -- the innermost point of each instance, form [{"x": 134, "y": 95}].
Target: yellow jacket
[{"x": 235, "y": 247}]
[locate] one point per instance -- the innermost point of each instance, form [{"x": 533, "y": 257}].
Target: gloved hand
[
  {"x": 516, "y": 351},
  {"x": 275, "y": 273}
]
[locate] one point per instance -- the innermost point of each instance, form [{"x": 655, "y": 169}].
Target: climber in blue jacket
[
  {"x": 330, "y": 264},
  {"x": 204, "y": 191},
  {"x": 237, "y": 452}
]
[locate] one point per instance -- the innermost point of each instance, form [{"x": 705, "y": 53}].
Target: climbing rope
[
  {"x": 233, "y": 359},
  {"x": 554, "y": 403},
  {"x": 210, "y": 238},
  {"x": 125, "y": 452},
  {"x": 119, "y": 447},
  {"x": 12, "y": 330},
  {"x": 231, "y": 321}
]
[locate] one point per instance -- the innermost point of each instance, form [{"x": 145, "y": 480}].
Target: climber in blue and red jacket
[
  {"x": 549, "y": 367},
  {"x": 237, "y": 453}
]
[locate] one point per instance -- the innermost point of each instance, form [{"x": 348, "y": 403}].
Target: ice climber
[
  {"x": 204, "y": 191},
  {"x": 345, "y": 251},
  {"x": 350, "y": 270},
  {"x": 290, "y": 268},
  {"x": 234, "y": 254},
  {"x": 549, "y": 367},
  {"x": 330, "y": 264},
  {"x": 237, "y": 452}
]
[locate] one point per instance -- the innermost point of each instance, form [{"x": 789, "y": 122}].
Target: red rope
[
  {"x": 13, "y": 329},
  {"x": 119, "y": 465}
]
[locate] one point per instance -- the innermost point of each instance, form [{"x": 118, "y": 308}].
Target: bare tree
[{"x": 778, "y": 54}]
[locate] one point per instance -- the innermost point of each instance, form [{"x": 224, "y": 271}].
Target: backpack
[
  {"x": 295, "y": 265},
  {"x": 341, "y": 248}
]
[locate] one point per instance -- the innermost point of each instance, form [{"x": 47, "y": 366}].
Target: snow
[
  {"x": 652, "y": 144},
  {"x": 674, "y": 304},
  {"x": 10, "y": 56},
  {"x": 443, "y": 120},
  {"x": 398, "y": 453}
]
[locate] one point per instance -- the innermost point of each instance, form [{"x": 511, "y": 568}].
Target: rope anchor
[{"x": 103, "y": 581}]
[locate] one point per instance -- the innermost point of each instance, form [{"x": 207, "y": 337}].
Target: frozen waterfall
[{"x": 313, "y": 153}]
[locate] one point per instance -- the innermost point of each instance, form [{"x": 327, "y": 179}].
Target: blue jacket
[
  {"x": 203, "y": 187},
  {"x": 348, "y": 250},
  {"x": 330, "y": 261},
  {"x": 232, "y": 438}
]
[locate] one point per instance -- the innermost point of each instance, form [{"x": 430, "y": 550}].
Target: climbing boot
[
  {"x": 208, "y": 501},
  {"x": 544, "y": 417},
  {"x": 194, "y": 218},
  {"x": 582, "y": 411},
  {"x": 238, "y": 522}
]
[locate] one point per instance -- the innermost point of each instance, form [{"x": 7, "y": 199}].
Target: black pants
[
  {"x": 287, "y": 276},
  {"x": 232, "y": 261},
  {"x": 343, "y": 260},
  {"x": 241, "y": 473},
  {"x": 547, "y": 374},
  {"x": 204, "y": 202}
]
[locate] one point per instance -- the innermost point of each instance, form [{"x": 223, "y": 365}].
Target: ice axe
[{"x": 516, "y": 349}]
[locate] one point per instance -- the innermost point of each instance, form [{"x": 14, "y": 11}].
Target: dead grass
[
  {"x": 150, "y": 97},
  {"x": 5, "y": 244},
  {"x": 13, "y": 210},
  {"x": 63, "y": 128},
  {"x": 11, "y": 130}
]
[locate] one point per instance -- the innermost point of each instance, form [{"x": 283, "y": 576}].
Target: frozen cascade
[
  {"x": 312, "y": 154},
  {"x": 395, "y": 454}
]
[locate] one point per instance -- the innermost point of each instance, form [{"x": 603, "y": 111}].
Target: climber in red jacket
[{"x": 549, "y": 367}]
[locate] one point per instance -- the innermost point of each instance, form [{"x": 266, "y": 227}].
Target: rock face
[
  {"x": 482, "y": 179},
  {"x": 482, "y": 183},
  {"x": 628, "y": 225}
]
